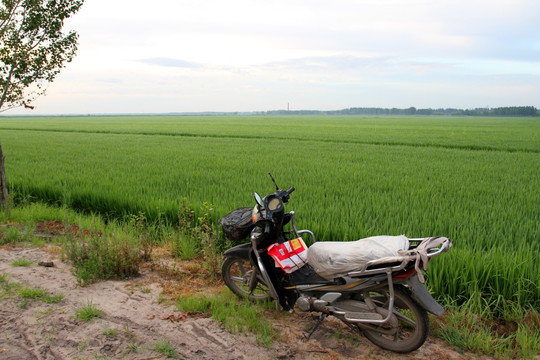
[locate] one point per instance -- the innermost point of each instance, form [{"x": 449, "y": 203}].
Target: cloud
[{"x": 170, "y": 62}]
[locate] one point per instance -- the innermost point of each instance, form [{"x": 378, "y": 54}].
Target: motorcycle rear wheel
[
  {"x": 413, "y": 323},
  {"x": 237, "y": 273}
]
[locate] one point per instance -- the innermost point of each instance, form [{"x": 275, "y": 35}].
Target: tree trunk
[{"x": 3, "y": 188}]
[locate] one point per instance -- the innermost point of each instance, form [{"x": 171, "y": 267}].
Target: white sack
[{"x": 331, "y": 259}]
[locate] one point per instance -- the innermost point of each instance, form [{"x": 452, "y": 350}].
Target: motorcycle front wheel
[
  {"x": 237, "y": 273},
  {"x": 412, "y": 326}
]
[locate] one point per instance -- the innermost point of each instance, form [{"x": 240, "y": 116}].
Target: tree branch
[
  {"x": 8, "y": 18},
  {"x": 7, "y": 85}
]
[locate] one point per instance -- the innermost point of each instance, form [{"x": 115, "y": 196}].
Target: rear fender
[
  {"x": 422, "y": 296},
  {"x": 239, "y": 251}
]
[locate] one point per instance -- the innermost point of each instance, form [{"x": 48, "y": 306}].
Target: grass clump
[
  {"x": 40, "y": 294},
  {"x": 233, "y": 313},
  {"x": 7, "y": 288},
  {"x": 103, "y": 257},
  {"x": 198, "y": 236},
  {"x": 88, "y": 312},
  {"x": 164, "y": 347},
  {"x": 9, "y": 235},
  {"x": 186, "y": 247},
  {"x": 513, "y": 334},
  {"x": 21, "y": 262},
  {"x": 110, "y": 332}
]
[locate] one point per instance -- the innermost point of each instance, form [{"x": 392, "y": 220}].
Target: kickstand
[{"x": 319, "y": 321}]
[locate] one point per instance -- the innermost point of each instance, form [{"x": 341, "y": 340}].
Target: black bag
[{"x": 237, "y": 224}]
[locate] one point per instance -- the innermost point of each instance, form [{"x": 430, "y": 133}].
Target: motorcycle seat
[{"x": 331, "y": 259}]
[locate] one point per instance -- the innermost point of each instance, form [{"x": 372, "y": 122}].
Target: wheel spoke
[
  {"x": 242, "y": 268},
  {"x": 237, "y": 273},
  {"x": 237, "y": 279},
  {"x": 404, "y": 318},
  {"x": 409, "y": 325}
]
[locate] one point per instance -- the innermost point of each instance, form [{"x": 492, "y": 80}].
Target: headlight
[{"x": 257, "y": 213}]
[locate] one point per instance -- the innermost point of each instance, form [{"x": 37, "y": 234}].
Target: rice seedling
[{"x": 473, "y": 180}]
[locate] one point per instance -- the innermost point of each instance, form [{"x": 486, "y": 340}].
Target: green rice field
[{"x": 474, "y": 180}]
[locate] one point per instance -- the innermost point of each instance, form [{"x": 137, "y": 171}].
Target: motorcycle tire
[
  {"x": 237, "y": 273},
  {"x": 413, "y": 323}
]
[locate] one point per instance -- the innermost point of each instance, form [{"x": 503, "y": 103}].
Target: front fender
[
  {"x": 239, "y": 251},
  {"x": 422, "y": 296}
]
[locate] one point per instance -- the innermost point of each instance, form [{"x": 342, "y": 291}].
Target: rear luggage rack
[{"x": 421, "y": 250}]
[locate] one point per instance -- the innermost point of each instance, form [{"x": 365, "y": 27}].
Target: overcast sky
[{"x": 250, "y": 55}]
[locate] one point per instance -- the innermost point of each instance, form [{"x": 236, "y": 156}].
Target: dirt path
[{"x": 134, "y": 322}]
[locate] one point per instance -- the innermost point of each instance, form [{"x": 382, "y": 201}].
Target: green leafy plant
[
  {"x": 110, "y": 332},
  {"x": 103, "y": 257},
  {"x": 7, "y": 288},
  {"x": 186, "y": 246},
  {"x": 164, "y": 347},
  {"x": 36, "y": 293},
  {"x": 88, "y": 312},
  {"x": 10, "y": 235},
  {"x": 517, "y": 337},
  {"x": 21, "y": 262},
  {"x": 236, "y": 315}
]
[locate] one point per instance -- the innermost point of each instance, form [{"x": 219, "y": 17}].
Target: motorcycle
[{"x": 373, "y": 285}]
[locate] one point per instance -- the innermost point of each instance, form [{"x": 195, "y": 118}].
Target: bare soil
[{"x": 134, "y": 321}]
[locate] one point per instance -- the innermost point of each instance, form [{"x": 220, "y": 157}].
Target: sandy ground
[{"x": 134, "y": 321}]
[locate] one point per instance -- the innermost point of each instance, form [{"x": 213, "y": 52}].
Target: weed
[
  {"x": 143, "y": 233},
  {"x": 164, "y": 347},
  {"x": 186, "y": 246},
  {"x": 144, "y": 290},
  {"x": 101, "y": 357},
  {"x": 24, "y": 303},
  {"x": 53, "y": 299},
  {"x": 7, "y": 288},
  {"x": 484, "y": 334},
  {"x": 88, "y": 312},
  {"x": 10, "y": 235},
  {"x": 83, "y": 345},
  {"x": 38, "y": 241},
  {"x": 21, "y": 262},
  {"x": 236, "y": 315},
  {"x": 110, "y": 332},
  {"x": 6, "y": 207},
  {"x": 198, "y": 237},
  {"x": 103, "y": 257},
  {"x": 43, "y": 313},
  {"x": 134, "y": 347},
  {"x": 32, "y": 293},
  {"x": 129, "y": 334},
  {"x": 3, "y": 278},
  {"x": 40, "y": 294}
]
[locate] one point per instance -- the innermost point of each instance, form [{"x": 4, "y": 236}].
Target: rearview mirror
[{"x": 258, "y": 199}]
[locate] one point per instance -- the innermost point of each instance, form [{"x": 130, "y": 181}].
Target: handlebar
[{"x": 290, "y": 190}]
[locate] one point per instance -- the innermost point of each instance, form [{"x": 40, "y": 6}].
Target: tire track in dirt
[
  {"x": 130, "y": 329},
  {"x": 134, "y": 322}
]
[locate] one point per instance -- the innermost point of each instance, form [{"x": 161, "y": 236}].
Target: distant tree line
[{"x": 500, "y": 111}]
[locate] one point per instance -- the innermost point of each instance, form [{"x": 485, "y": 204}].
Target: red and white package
[{"x": 291, "y": 255}]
